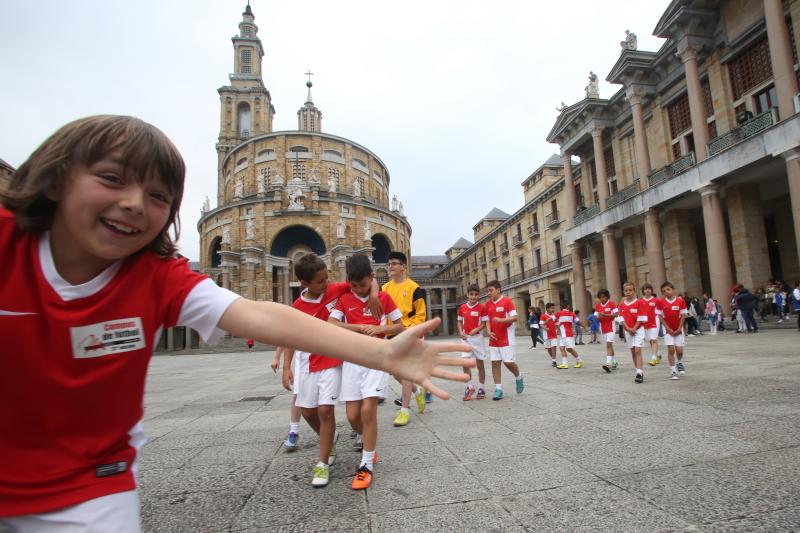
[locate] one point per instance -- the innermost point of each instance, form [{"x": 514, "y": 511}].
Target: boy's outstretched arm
[{"x": 406, "y": 356}]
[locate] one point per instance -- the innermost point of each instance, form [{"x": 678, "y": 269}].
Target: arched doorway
[
  {"x": 292, "y": 236},
  {"x": 213, "y": 253},
  {"x": 382, "y": 248}
]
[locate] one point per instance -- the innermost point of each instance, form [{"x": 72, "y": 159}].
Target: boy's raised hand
[{"x": 409, "y": 357}]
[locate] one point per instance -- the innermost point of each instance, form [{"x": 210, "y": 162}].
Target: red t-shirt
[
  {"x": 606, "y": 322},
  {"x": 652, "y": 309},
  {"x": 673, "y": 310},
  {"x": 504, "y": 333},
  {"x": 634, "y": 313},
  {"x": 354, "y": 310},
  {"x": 471, "y": 317},
  {"x": 549, "y": 324},
  {"x": 73, "y": 364},
  {"x": 565, "y": 320},
  {"x": 321, "y": 308}
]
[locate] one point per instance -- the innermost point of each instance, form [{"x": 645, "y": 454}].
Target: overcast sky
[{"x": 456, "y": 97}]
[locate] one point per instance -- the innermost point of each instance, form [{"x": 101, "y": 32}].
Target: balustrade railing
[
  {"x": 622, "y": 195},
  {"x": 582, "y": 216},
  {"x": 679, "y": 166},
  {"x": 748, "y": 129}
]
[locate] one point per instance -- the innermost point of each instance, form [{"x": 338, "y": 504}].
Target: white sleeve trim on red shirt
[
  {"x": 684, "y": 311},
  {"x": 337, "y": 314},
  {"x": 511, "y": 313},
  {"x": 484, "y": 318},
  {"x": 564, "y": 319},
  {"x": 641, "y": 318},
  {"x": 460, "y": 318},
  {"x": 203, "y": 308},
  {"x": 395, "y": 315}
]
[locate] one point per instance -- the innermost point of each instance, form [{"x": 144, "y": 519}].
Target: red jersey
[
  {"x": 353, "y": 309},
  {"x": 471, "y": 317},
  {"x": 606, "y": 322},
  {"x": 673, "y": 310},
  {"x": 565, "y": 320},
  {"x": 321, "y": 308},
  {"x": 73, "y": 367},
  {"x": 504, "y": 333},
  {"x": 652, "y": 311},
  {"x": 548, "y": 322},
  {"x": 634, "y": 313}
]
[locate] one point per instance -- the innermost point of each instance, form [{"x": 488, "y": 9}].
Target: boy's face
[
  {"x": 396, "y": 268},
  {"x": 628, "y": 291},
  {"x": 669, "y": 292},
  {"x": 472, "y": 297},
  {"x": 647, "y": 292},
  {"x": 318, "y": 283},
  {"x": 550, "y": 309},
  {"x": 603, "y": 299},
  {"x": 493, "y": 292},
  {"x": 361, "y": 287},
  {"x": 105, "y": 213}
]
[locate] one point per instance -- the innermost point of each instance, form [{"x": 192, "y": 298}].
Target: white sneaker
[{"x": 674, "y": 375}]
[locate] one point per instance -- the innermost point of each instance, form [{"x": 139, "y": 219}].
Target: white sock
[
  {"x": 563, "y": 360},
  {"x": 639, "y": 371},
  {"x": 674, "y": 369},
  {"x": 470, "y": 383},
  {"x": 498, "y": 386},
  {"x": 609, "y": 359},
  {"x": 404, "y": 410},
  {"x": 367, "y": 459},
  {"x": 294, "y": 427},
  {"x": 577, "y": 358}
]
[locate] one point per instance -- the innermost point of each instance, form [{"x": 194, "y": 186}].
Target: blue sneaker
[
  {"x": 428, "y": 397},
  {"x": 498, "y": 394},
  {"x": 520, "y": 385},
  {"x": 290, "y": 444}
]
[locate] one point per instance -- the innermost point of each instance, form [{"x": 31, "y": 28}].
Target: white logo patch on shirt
[
  {"x": 104, "y": 338},
  {"x": 474, "y": 313},
  {"x": 500, "y": 309},
  {"x": 675, "y": 307},
  {"x": 331, "y": 305}
]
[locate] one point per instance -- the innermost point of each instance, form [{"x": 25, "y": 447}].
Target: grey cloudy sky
[{"x": 456, "y": 97}]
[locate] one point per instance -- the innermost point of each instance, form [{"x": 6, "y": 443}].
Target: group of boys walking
[
  {"x": 319, "y": 382},
  {"x": 640, "y": 319}
]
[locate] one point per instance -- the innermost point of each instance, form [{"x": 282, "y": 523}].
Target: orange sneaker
[{"x": 363, "y": 479}]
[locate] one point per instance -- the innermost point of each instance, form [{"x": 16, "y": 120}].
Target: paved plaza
[{"x": 579, "y": 450}]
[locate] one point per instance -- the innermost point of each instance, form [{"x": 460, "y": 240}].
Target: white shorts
[
  {"x": 478, "y": 347},
  {"x": 319, "y": 388},
  {"x": 651, "y": 334},
  {"x": 359, "y": 382},
  {"x": 635, "y": 341},
  {"x": 567, "y": 342},
  {"x": 609, "y": 337},
  {"x": 502, "y": 353},
  {"x": 117, "y": 512},
  {"x": 678, "y": 340},
  {"x": 551, "y": 343},
  {"x": 296, "y": 373}
]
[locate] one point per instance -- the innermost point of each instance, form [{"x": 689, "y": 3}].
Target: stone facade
[
  {"x": 284, "y": 194},
  {"x": 696, "y": 182}
]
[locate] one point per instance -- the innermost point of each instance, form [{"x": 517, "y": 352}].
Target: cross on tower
[{"x": 309, "y": 74}]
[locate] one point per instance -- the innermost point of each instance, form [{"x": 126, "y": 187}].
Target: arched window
[{"x": 243, "y": 120}]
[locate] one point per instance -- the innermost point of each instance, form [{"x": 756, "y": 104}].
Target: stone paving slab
[{"x": 579, "y": 450}]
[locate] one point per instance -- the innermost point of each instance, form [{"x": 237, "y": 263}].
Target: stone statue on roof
[
  {"x": 630, "y": 42},
  {"x": 562, "y": 107},
  {"x": 593, "y": 89}
]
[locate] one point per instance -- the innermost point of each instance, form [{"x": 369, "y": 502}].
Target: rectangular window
[
  {"x": 508, "y": 270},
  {"x": 535, "y": 222},
  {"x": 557, "y": 246},
  {"x": 538, "y": 258},
  {"x": 611, "y": 168},
  {"x": 521, "y": 264},
  {"x": 245, "y": 61},
  {"x": 554, "y": 209},
  {"x": 495, "y": 274},
  {"x": 679, "y": 118},
  {"x": 766, "y": 100},
  {"x": 750, "y": 68}
]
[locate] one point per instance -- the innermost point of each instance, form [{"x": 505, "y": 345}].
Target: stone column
[
  {"x": 287, "y": 293},
  {"x": 640, "y": 141},
  {"x": 780, "y": 52},
  {"x": 748, "y": 235},
  {"x": 428, "y": 310},
  {"x": 611, "y": 261},
  {"x": 251, "y": 281},
  {"x": 569, "y": 189},
  {"x": 719, "y": 260},
  {"x": 579, "y": 282},
  {"x": 600, "y": 167},
  {"x": 226, "y": 278},
  {"x": 793, "y": 177},
  {"x": 445, "y": 318},
  {"x": 697, "y": 106},
  {"x": 684, "y": 260},
  {"x": 655, "y": 249}
]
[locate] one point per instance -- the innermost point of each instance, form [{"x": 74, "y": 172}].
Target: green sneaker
[
  {"x": 322, "y": 475},
  {"x": 614, "y": 364}
]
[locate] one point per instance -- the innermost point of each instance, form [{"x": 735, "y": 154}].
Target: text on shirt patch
[
  {"x": 474, "y": 313},
  {"x": 104, "y": 338}
]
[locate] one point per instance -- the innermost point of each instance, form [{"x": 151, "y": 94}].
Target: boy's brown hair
[
  {"x": 144, "y": 149},
  {"x": 307, "y": 267}
]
